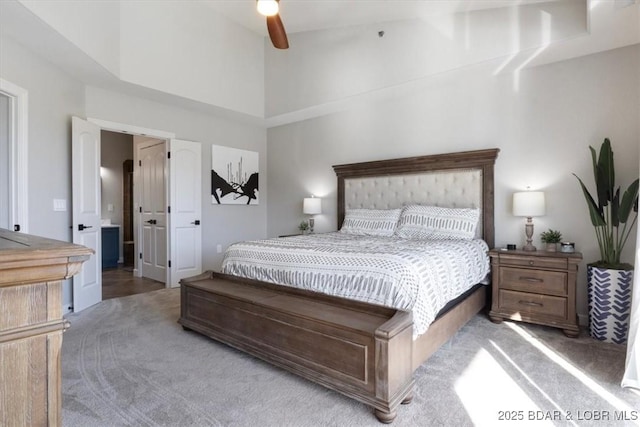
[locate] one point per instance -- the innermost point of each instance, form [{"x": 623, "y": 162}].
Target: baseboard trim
[{"x": 583, "y": 319}]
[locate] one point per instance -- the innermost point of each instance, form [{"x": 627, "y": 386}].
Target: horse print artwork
[{"x": 234, "y": 176}]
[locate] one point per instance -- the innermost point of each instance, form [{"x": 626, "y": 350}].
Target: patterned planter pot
[{"x": 609, "y": 296}]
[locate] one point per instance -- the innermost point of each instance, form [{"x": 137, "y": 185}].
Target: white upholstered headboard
[
  {"x": 456, "y": 188},
  {"x": 458, "y": 180}
]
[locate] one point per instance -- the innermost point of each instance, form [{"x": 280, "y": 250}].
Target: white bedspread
[{"x": 413, "y": 275}]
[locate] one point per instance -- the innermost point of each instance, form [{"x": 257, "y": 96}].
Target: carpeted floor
[{"x": 126, "y": 362}]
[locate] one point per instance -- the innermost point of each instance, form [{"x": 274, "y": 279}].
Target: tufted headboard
[{"x": 463, "y": 179}]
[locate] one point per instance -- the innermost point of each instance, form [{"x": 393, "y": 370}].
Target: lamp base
[
  {"x": 528, "y": 229},
  {"x": 311, "y": 224}
]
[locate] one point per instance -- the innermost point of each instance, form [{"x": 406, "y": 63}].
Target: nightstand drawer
[
  {"x": 540, "y": 262},
  {"x": 533, "y": 304},
  {"x": 538, "y": 281}
]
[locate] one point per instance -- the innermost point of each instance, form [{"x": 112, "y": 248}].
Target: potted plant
[
  {"x": 609, "y": 280},
  {"x": 303, "y": 227},
  {"x": 551, "y": 238}
]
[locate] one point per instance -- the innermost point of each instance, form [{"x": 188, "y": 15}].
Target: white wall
[
  {"x": 182, "y": 48},
  {"x": 187, "y": 49},
  {"x": 53, "y": 98},
  {"x": 325, "y": 66},
  {"x": 542, "y": 119},
  {"x": 93, "y": 26},
  {"x": 221, "y": 224}
]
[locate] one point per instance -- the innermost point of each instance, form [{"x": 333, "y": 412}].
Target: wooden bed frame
[{"x": 363, "y": 351}]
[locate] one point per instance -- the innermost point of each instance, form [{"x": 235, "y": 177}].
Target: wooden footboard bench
[{"x": 360, "y": 350}]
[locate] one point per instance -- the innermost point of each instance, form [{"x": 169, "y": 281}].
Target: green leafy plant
[
  {"x": 551, "y": 236},
  {"x": 304, "y": 226},
  {"x": 612, "y": 217}
]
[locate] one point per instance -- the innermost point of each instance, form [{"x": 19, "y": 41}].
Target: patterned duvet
[{"x": 413, "y": 275}]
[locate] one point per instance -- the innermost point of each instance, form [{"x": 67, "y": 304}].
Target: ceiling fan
[{"x": 277, "y": 34}]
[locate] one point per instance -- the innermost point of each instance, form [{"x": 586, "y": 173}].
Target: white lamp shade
[
  {"x": 529, "y": 203},
  {"x": 267, "y": 7},
  {"x": 312, "y": 205}
]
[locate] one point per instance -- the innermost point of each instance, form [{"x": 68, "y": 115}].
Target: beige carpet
[{"x": 126, "y": 362}]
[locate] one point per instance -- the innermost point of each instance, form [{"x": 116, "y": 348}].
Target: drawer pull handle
[
  {"x": 531, "y": 279},
  {"x": 530, "y": 303},
  {"x": 531, "y": 263}
]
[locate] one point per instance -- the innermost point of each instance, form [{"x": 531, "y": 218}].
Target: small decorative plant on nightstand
[
  {"x": 609, "y": 280},
  {"x": 303, "y": 227},
  {"x": 551, "y": 238}
]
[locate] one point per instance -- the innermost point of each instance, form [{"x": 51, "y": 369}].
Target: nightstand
[{"x": 536, "y": 287}]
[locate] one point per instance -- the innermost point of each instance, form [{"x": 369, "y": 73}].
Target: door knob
[
  {"x": 151, "y": 221},
  {"x": 196, "y": 222},
  {"x": 82, "y": 227}
]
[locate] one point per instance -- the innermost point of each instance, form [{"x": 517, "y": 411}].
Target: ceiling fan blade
[{"x": 277, "y": 34}]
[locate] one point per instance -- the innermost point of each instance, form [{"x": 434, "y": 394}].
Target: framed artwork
[{"x": 234, "y": 176}]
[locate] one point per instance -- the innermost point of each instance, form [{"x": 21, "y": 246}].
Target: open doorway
[
  {"x": 179, "y": 245},
  {"x": 119, "y": 274},
  {"x": 6, "y": 169},
  {"x": 13, "y": 156}
]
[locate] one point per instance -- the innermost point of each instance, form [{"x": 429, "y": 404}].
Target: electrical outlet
[
  {"x": 59, "y": 205},
  {"x": 219, "y": 248}
]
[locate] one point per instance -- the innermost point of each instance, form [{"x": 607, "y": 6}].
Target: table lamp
[
  {"x": 311, "y": 206},
  {"x": 528, "y": 204}
]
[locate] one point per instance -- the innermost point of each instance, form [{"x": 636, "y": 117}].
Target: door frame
[
  {"x": 139, "y": 131},
  {"x": 19, "y": 153}
]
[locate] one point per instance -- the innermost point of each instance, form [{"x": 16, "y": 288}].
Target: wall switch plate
[
  {"x": 219, "y": 248},
  {"x": 110, "y": 207},
  {"x": 59, "y": 205}
]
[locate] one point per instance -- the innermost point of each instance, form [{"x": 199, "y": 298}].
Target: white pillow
[
  {"x": 371, "y": 222},
  {"x": 433, "y": 222}
]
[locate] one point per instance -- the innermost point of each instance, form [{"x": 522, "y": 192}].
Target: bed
[{"x": 364, "y": 350}]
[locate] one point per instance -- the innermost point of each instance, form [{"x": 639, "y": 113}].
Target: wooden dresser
[
  {"x": 31, "y": 326},
  {"x": 537, "y": 287}
]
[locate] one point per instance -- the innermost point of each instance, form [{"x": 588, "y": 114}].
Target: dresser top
[{"x": 20, "y": 247}]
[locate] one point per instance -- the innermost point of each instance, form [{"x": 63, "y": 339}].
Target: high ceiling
[
  {"x": 138, "y": 47},
  {"x": 310, "y": 15}
]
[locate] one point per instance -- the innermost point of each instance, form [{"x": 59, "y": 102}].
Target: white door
[
  {"x": 185, "y": 200},
  {"x": 85, "y": 159},
  {"x": 153, "y": 211}
]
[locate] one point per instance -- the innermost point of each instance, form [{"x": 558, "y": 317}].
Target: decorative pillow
[
  {"x": 371, "y": 222},
  {"x": 433, "y": 222}
]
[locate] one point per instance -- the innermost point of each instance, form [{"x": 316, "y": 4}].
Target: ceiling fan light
[{"x": 268, "y": 7}]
